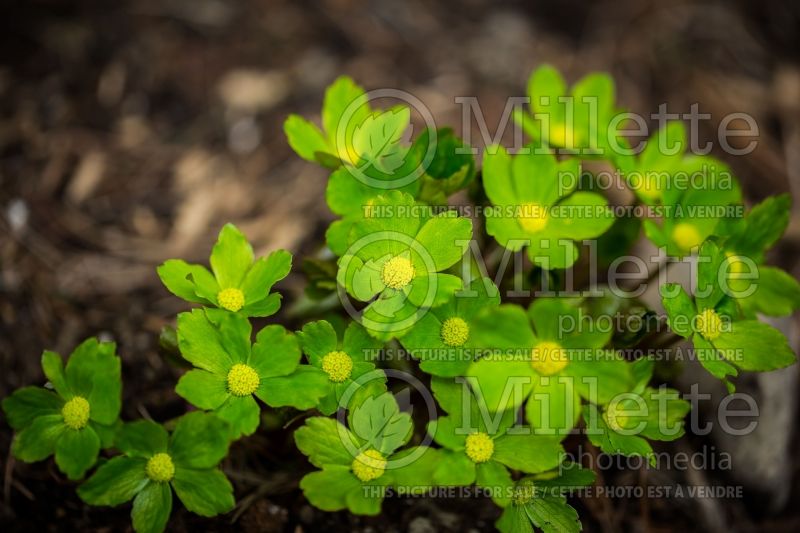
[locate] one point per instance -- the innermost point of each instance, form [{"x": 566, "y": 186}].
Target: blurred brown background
[{"x": 130, "y": 131}]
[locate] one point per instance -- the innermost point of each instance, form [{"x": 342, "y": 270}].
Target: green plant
[
  {"x": 154, "y": 463},
  {"x": 75, "y": 419},
  {"x": 409, "y": 291}
]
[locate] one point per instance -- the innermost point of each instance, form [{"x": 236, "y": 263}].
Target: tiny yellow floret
[
  {"x": 479, "y": 447},
  {"x": 532, "y": 217},
  {"x": 615, "y": 417},
  {"x": 548, "y": 358},
  {"x": 455, "y": 331},
  {"x": 242, "y": 380},
  {"x": 160, "y": 468},
  {"x": 709, "y": 324},
  {"x": 686, "y": 236},
  {"x": 397, "y": 272},
  {"x": 369, "y": 465},
  {"x": 76, "y": 413},
  {"x": 231, "y": 299},
  {"x": 558, "y": 135},
  {"x": 523, "y": 493},
  {"x": 338, "y": 365}
]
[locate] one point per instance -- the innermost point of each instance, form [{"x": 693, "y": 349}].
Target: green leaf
[
  {"x": 179, "y": 278},
  {"x": 76, "y": 451},
  {"x": 777, "y": 293},
  {"x": 362, "y": 501},
  {"x": 753, "y": 345},
  {"x": 345, "y": 107},
  {"x": 205, "y": 492},
  {"x": 528, "y": 453},
  {"x": 419, "y": 471},
  {"x": 377, "y": 138},
  {"x": 28, "y": 403},
  {"x": 106, "y": 396},
  {"x": 554, "y": 405},
  {"x": 151, "y": 508},
  {"x": 709, "y": 265},
  {"x": 765, "y": 224},
  {"x": 553, "y": 515},
  {"x": 242, "y": 414},
  {"x": 231, "y": 257},
  {"x": 53, "y": 367},
  {"x": 304, "y": 137},
  {"x": 200, "y": 343},
  {"x": 379, "y": 422},
  {"x": 323, "y": 441},
  {"x": 264, "y": 274},
  {"x": 494, "y": 477},
  {"x": 116, "y": 481},
  {"x": 38, "y": 440},
  {"x": 444, "y": 238},
  {"x": 82, "y": 366},
  {"x": 142, "y": 438},
  {"x": 203, "y": 389},
  {"x": 302, "y": 389},
  {"x": 327, "y": 489},
  {"x": 455, "y": 469},
  {"x": 514, "y": 520},
  {"x": 275, "y": 353},
  {"x": 679, "y": 307},
  {"x": 200, "y": 440},
  {"x": 317, "y": 340}
]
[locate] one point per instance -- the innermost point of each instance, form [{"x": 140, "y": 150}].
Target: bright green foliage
[
  {"x": 355, "y": 472},
  {"x": 395, "y": 261},
  {"x": 445, "y": 339},
  {"x": 154, "y": 463},
  {"x": 343, "y": 362},
  {"x": 712, "y": 320},
  {"x": 573, "y": 120},
  {"x": 74, "y": 420},
  {"x": 693, "y": 208},
  {"x": 230, "y": 372},
  {"x": 775, "y": 292},
  {"x": 239, "y": 283},
  {"x": 480, "y": 445},
  {"x": 541, "y": 501},
  {"x": 555, "y": 357},
  {"x": 536, "y": 206},
  {"x": 627, "y": 422},
  {"x": 451, "y": 169}
]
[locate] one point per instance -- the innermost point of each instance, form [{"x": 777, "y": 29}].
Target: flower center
[
  {"x": 533, "y": 217},
  {"x": 523, "y": 493},
  {"x": 736, "y": 264},
  {"x": 455, "y": 331},
  {"x": 160, "y": 468},
  {"x": 479, "y": 447},
  {"x": 397, "y": 272},
  {"x": 558, "y": 135},
  {"x": 709, "y": 324},
  {"x": 615, "y": 417},
  {"x": 76, "y": 413},
  {"x": 338, "y": 366},
  {"x": 231, "y": 299},
  {"x": 686, "y": 236},
  {"x": 242, "y": 380},
  {"x": 548, "y": 358},
  {"x": 369, "y": 465}
]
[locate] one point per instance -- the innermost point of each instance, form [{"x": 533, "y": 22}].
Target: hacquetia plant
[{"x": 402, "y": 273}]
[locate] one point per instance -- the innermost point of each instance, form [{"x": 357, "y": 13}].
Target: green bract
[
  {"x": 395, "y": 259},
  {"x": 711, "y": 320},
  {"x": 239, "y": 284},
  {"x": 358, "y": 466},
  {"x": 446, "y": 338},
  {"x": 342, "y": 362},
  {"x": 574, "y": 120},
  {"x": 541, "y": 501},
  {"x": 230, "y": 372},
  {"x": 479, "y": 445},
  {"x": 692, "y": 208},
  {"x": 557, "y": 362},
  {"x": 775, "y": 292},
  {"x": 535, "y": 205},
  {"x": 78, "y": 418},
  {"x": 156, "y": 463}
]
